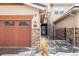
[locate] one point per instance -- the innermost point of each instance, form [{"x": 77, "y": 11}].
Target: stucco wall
[
  {"x": 54, "y": 16},
  {"x": 77, "y": 17},
  {"x": 17, "y": 10},
  {"x": 67, "y": 22}
]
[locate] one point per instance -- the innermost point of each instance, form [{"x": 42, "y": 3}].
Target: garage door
[{"x": 15, "y": 33}]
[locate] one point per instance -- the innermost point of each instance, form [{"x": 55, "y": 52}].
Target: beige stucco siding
[
  {"x": 54, "y": 16},
  {"x": 77, "y": 17},
  {"x": 67, "y": 22},
  {"x": 17, "y": 10}
]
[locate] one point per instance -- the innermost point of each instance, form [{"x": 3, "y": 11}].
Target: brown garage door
[{"x": 15, "y": 33}]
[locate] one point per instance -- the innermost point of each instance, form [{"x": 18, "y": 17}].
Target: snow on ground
[
  {"x": 65, "y": 54},
  {"x": 61, "y": 54},
  {"x": 56, "y": 48},
  {"x": 38, "y": 54}
]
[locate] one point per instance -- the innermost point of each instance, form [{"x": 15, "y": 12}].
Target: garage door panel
[
  {"x": 23, "y": 43},
  {"x": 15, "y": 36},
  {"x": 23, "y": 36},
  {"x": 7, "y": 37}
]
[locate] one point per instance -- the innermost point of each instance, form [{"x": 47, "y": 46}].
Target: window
[
  {"x": 59, "y": 11},
  {"x": 9, "y": 23},
  {"x": 56, "y": 11},
  {"x": 24, "y": 23}
]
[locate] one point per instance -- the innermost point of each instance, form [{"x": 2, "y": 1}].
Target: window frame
[
  {"x": 8, "y": 23},
  {"x": 24, "y": 23}
]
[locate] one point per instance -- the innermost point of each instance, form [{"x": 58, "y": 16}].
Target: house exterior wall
[
  {"x": 23, "y": 10},
  {"x": 77, "y": 17},
  {"x": 71, "y": 24},
  {"x": 54, "y": 16},
  {"x": 16, "y": 10},
  {"x": 58, "y": 7},
  {"x": 67, "y": 22},
  {"x": 77, "y": 28},
  {"x": 67, "y": 27},
  {"x": 20, "y": 10}
]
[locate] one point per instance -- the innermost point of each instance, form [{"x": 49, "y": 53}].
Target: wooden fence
[
  {"x": 68, "y": 35},
  {"x": 65, "y": 34}
]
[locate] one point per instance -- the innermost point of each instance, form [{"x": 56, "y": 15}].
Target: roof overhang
[
  {"x": 29, "y": 4},
  {"x": 36, "y": 6}
]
